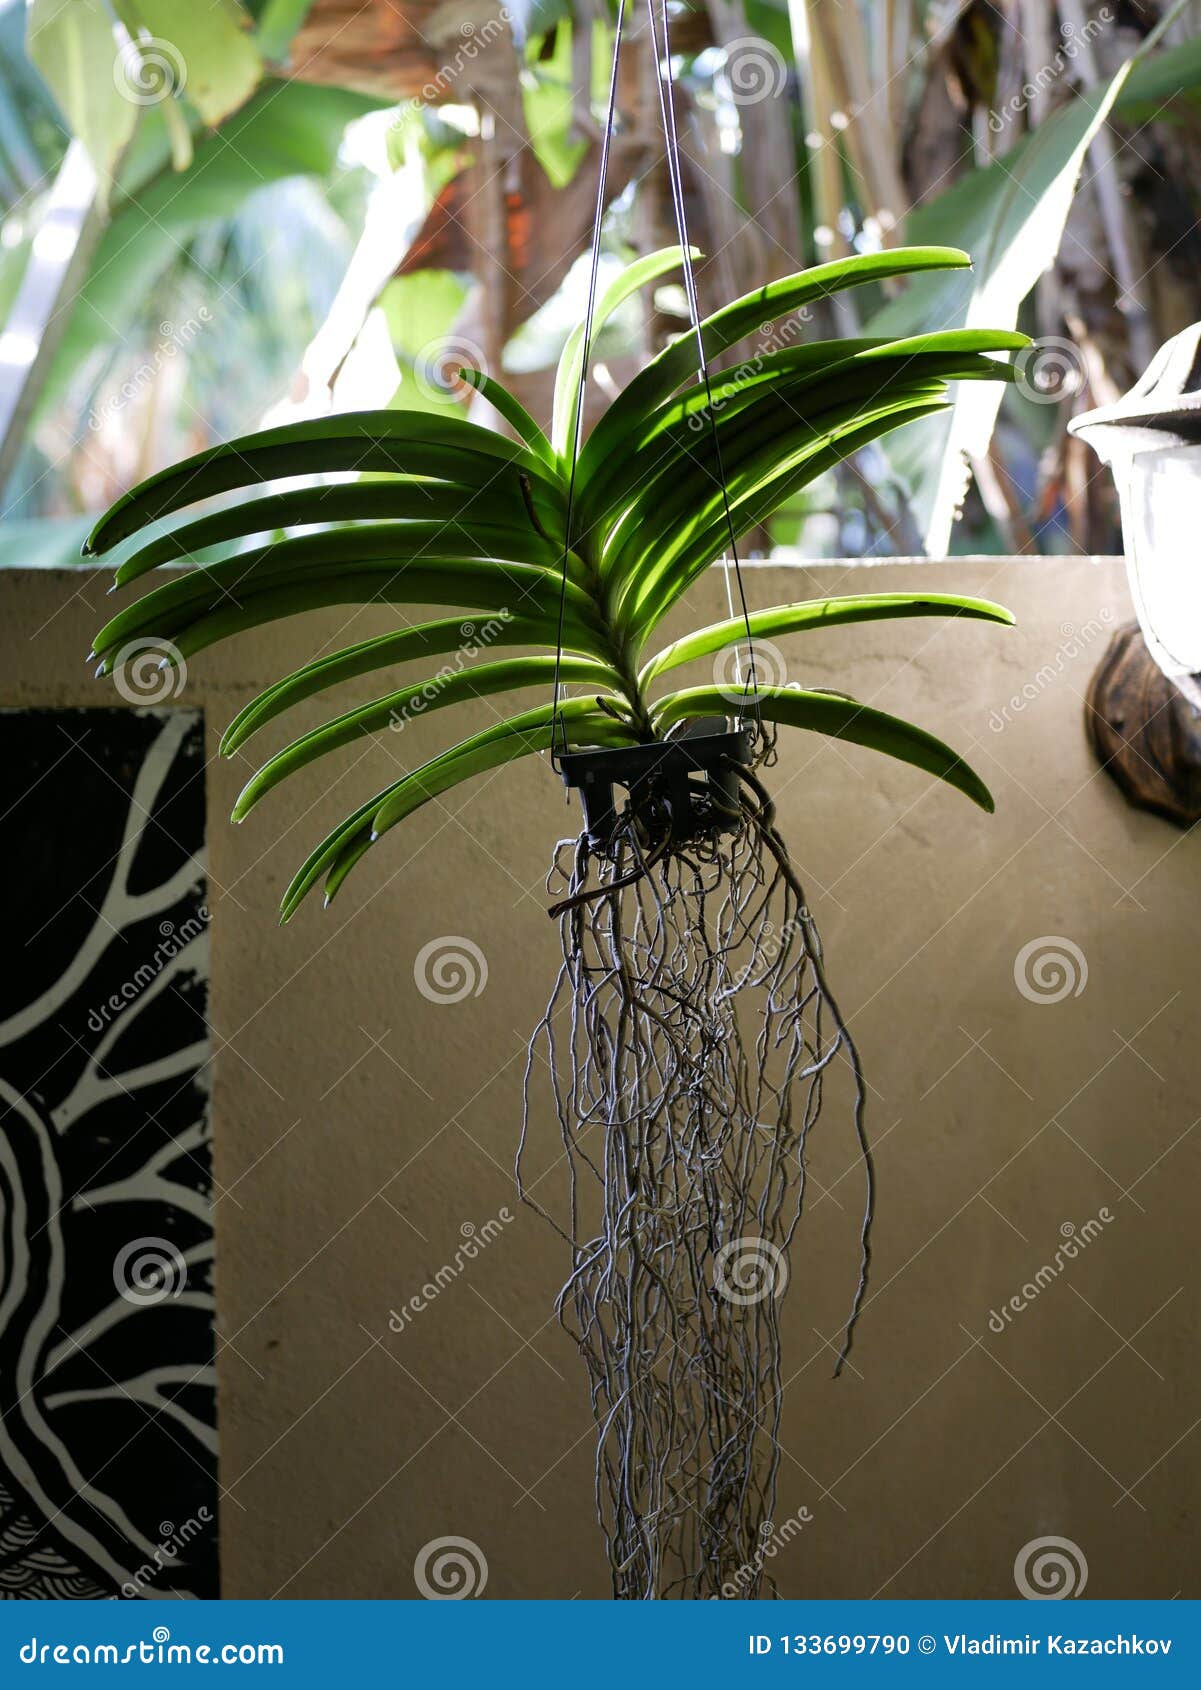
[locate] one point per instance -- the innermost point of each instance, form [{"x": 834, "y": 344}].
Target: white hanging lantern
[
  {"x": 1144, "y": 714},
  {"x": 1151, "y": 440}
]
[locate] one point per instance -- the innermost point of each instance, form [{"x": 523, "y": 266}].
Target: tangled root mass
[{"x": 688, "y": 1038}]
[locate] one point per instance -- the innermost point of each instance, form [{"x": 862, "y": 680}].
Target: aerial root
[{"x": 688, "y": 1038}]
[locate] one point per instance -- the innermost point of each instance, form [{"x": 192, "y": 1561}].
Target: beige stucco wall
[{"x": 360, "y": 1127}]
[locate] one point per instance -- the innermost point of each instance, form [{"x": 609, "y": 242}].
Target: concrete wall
[{"x": 361, "y": 1129}]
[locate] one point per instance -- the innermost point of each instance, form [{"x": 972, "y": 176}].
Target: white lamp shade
[
  {"x": 1161, "y": 521},
  {"x": 1151, "y": 439}
]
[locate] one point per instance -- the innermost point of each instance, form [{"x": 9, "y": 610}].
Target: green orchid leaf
[
  {"x": 514, "y": 413},
  {"x": 569, "y": 377},
  {"x": 755, "y": 500},
  {"x": 192, "y": 624},
  {"x": 676, "y": 493},
  {"x": 504, "y": 520},
  {"x": 384, "y": 551},
  {"x": 818, "y": 613},
  {"x": 799, "y": 377},
  {"x": 839, "y": 717},
  {"x": 443, "y": 448},
  {"x": 467, "y": 637},
  {"x": 493, "y": 748},
  {"x": 779, "y": 311},
  {"x": 647, "y": 564},
  {"x": 532, "y": 731},
  {"x": 410, "y": 703},
  {"x": 444, "y": 513}
]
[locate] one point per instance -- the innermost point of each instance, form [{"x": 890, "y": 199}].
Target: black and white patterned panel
[{"x": 108, "y": 1444}]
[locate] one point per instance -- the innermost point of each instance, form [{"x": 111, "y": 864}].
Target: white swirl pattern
[{"x": 86, "y": 1372}]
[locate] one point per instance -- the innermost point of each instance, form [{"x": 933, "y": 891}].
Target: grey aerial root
[{"x": 688, "y": 1038}]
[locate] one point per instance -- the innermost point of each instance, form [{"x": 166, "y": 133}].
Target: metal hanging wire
[
  {"x": 663, "y": 82},
  {"x": 667, "y": 110},
  {"x": 556, "y": 722}
]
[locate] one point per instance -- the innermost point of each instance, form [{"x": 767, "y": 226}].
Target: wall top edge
[{"x": 779, "y": 560}]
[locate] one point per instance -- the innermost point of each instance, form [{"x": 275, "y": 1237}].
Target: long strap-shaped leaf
[
  {"x": 325, "y": 854},
  {"x": 840, "y": 718},
  {"x": 810, "y": 614},
  {"x": 803, "y": 379},
  {"x": 765, "y": 308},
  {"x": 569, "y": 377},
  {"x": 660, "y": 500},
  {"x": 515, "y": 414},
  {"x": 518, "y": 737},
  {"x": 170, "y": 611},
  {"x": 470, "y": 511},
  {"x": 366, "y": 545},
  {"x": 410, "y": 703},
  {"x": 638, "y": 457},
  {"x": 407, "y": 442},
  {"x": 472, "y": 590},
  {"x": 756, "y": 499},
  {"x": 650, "y": 586},
  {"x": 424, "y": 639},
  {"x": 669, "y": 509}
]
